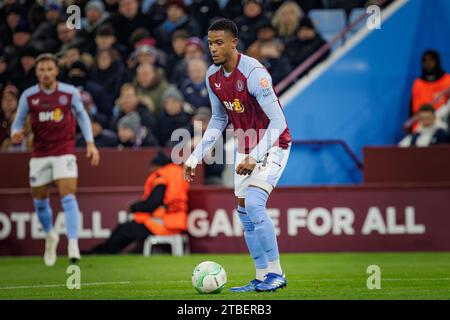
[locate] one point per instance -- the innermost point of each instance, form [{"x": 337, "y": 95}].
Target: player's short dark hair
[
  {"x": 46, "y": 57},
  {"x": 426, "y": 108},
  {"x": 224, "y": 25}
]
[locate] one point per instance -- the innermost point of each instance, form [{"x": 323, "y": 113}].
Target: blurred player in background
[
  {"x": 241, "y": 92},
  {"x": 53, "y": 106}
]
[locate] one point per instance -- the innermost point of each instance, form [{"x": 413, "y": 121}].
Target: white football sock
[
  {"x": 275, "y": 267},
  {"x": 260, "y": 274}
]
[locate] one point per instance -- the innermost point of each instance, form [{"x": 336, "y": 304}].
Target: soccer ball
[{"x": 209, "y": 277}]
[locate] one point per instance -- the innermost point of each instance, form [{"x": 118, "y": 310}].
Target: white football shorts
[
  {"x": 266, "y": 173},
  {"x": 44, "y": 170}
]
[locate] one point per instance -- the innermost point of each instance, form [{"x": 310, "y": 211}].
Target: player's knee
[
  {"x": 247, "y": 223},
  {"x": 40, "y": 193},
  {"x": 66, "y": 189},
  {"x": 241, "y": 202},
  {"x": 255, "y": 203}
]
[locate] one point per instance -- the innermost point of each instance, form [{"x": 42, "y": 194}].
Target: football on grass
[{"x": 209, "y": 277}]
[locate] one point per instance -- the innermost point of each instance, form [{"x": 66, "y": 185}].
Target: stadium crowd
[{"x": 140, "y": 65}]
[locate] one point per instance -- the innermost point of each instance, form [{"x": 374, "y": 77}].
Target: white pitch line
[
  {"x": 63, "y": 285},
  {"x": 187, "y": 281}
]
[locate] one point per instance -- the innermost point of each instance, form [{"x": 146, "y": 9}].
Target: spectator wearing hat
[
  {"x": 143, "y": 54},
  {"x": 177, "y": 18},
  {"x": 431, "y": 86},
  {"x": 96, "y": 16},
  {"x": 9, "y": 101},
  {"x": 128, "y": 19},
  {"x": 173, "y": 116},
  {"x": 162, "y": 210},
  {"x": 252, "y": 18},
  {"x": 304, "y": 43},
  {"x": 194, "y": 49},
  {"x": 132, "y": 134},
  {"x": 24, "y": 76},
  {"x": 128, "y": 102},
  {"x": 194, "y": 87},
  {"x": 150, "y": 84},
  {"x": 141, "y": 37},
  {"x": 46, "y": 33},
  {"x": 103, "y": 138},
  {"x": 78, "y": 76},
  {"x": 110, "y": 73}
]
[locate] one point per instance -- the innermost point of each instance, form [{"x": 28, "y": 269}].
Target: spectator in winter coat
[
  {"x": 132, "y": 134},
  {"x": 150, "y": 85},
  {"x": 173, "y": 116},
  {"x": 128, "y": 102},
  {"x": 194, "y": 88}
]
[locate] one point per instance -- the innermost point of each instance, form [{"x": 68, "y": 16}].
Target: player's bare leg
[
  {"x": 254, "y": 246},
  {"x": 67, "y": 188},
  {"x": 44, "y": 211}
]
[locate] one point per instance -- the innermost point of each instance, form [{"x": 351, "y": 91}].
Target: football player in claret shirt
[
  {"x": 241, "y": 93},
  {"x": 53, "y": 108}
]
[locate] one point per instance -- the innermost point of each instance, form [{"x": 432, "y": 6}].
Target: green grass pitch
[{"x": 310, "y": 276}]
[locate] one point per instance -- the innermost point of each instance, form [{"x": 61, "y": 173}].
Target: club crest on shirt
[
  {"x": 239, "y": 85},
  {"x": 63, "y": 100}
]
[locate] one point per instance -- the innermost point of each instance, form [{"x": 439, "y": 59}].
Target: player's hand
[
  {"x": 17, "y": 137},
  {"x": 246, "y": 166},
  {"x": 189, "y": 168},
  {"x": 93, "y": 154},
  {"x": 188, "y": 173}
]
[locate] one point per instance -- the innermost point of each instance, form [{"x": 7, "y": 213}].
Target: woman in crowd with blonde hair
[{"x": 287, "y": 19}]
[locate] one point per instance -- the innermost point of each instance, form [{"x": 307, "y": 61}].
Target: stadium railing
[{"x": 311, "y": 60}]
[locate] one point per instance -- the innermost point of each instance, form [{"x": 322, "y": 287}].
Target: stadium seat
[
  {"x": 329, "y": 22},
  {"x": 354, "y": 15},
  {"x": 179, "y": 244}
]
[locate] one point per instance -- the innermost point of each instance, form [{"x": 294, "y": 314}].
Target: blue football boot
[
  {"x": 248, "y": 287},
  {"x": 272, "y": 282}
]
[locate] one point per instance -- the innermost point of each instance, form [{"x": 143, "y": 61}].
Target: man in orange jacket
[{"x": 162, "y": 210}]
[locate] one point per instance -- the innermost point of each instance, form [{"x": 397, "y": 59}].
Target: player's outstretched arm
[
  {"x": 92, "y": 153},
  {"x": 218, "y": 123},
  {"x": 86, "y": 129},
  {"x": 260, "y": 86},
  {"x": 17, "y": 134}
]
